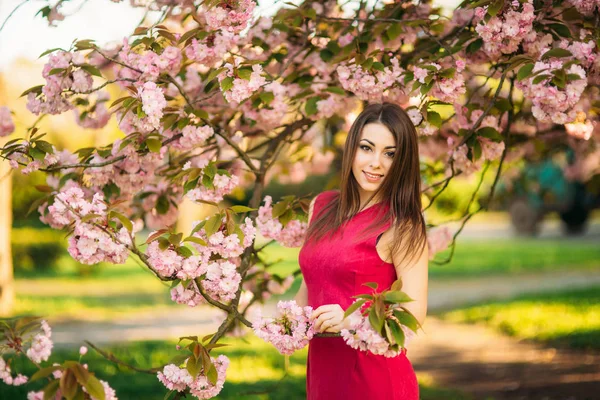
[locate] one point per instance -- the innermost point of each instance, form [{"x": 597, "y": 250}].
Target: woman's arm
[
  {"x": 301, "y": 297},
  {"x": 414, "y": 283}
]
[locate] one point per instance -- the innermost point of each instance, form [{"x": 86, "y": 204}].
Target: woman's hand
[{"x": 329, "y": 318}]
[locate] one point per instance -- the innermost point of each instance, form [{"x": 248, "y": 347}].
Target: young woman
[{"x": 371, "y": 230}]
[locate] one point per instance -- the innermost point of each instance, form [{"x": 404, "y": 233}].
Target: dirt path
[{"x": 486, "y": 364}]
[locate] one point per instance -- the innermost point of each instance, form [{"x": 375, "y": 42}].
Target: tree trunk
[{"x": 7, "y": 287}]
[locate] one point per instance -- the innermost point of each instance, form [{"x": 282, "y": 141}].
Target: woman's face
[{"x": 374, "y": 157}]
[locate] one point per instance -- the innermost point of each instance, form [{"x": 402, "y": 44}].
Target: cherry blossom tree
[{"x": 214, "y": 97}]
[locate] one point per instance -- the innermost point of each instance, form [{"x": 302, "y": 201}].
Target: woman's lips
[{"x": 370, "y": 178}]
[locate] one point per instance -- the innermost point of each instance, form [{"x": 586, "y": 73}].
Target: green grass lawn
[
  {"x": 567, "y": 318},
  {"x": 110, "y": 291},
  {"x": 256, "y": 372}
]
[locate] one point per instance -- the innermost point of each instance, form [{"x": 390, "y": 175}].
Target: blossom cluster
[
  {"x": 149, "y": 63},
  {"x": 241, "y": 88},
  {"x": 361, "y": 336},
  {"x": 230, "y": 16},
  {"x": 550, "y": 102},
  {"x": 52, "y": 100},
  {"x": 445, "y": 88},
  {"x": 131, "y": 174},
  {"x": 152, "y": 195},
  {"x": 175, "y": 378},
  {"x": 211, "y": 49},
  {"x": 272, "y": 116},
  {"x": 7, "y": 126},
  {"x": 292, "y": 235},
  {"x": 90, "y": 245},
  {"x": 502, "y": 34},
  {"x": 6, "y": 375},
  {"x": 438, "y": 239},
  {"x": 223, "y": 185},
  {"x": 41, "y": 344},
  {"x": 70, "y": 205},
  {"x": 192, "y": 136},
  {"x": 364, "y": 84},
  {"x": 95, "y": 117},
  {"x": 289, "y": 331}
]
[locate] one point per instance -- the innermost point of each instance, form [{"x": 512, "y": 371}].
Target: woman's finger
[
  {"x": 324, "y": 308},
  {"x": 322, "y": 318}
]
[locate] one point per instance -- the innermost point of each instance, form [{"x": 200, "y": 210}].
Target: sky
[{"x": 26, "y": 35}]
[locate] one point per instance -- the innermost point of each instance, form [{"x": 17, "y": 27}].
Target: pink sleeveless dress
[{"x": 334, "y": 270}]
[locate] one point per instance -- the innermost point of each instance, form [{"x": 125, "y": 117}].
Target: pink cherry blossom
[
  {"x": 289, "y": 330},
  {"x": 7, "y": 125}
]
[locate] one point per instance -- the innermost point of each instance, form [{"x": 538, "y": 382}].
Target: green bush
[{"x": 36, "y": 249}]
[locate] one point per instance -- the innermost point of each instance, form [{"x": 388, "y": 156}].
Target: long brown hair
[{"x": 401, "y": 187}]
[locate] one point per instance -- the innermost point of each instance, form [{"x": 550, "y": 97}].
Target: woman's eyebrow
[{"x": 386, "y": 147}]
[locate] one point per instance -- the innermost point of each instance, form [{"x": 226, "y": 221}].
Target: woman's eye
[
  {"x": 390, "y": 154},
  {"x": 365, "y": 147}
]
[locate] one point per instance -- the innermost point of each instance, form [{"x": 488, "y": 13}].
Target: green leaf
[
  {"x": 397, "y": 285},
  {"x": 213, "y": 224},
  {"x": 490, "y": 133},
  {"x": 353, "y": 307},
  {"x": 92, "y": 70},
  {"x": 524, "y": 71},
  {"x": 155, "y": 235},
  {"x": 311, "y": 106},
  {"x": 375, "y": 321},
  {"x": 55, "y": 71},
  {"x": 50, "y": 51},
  {"x": 44, "y": 372},
  {"x": 556, "y": 52},
  {"x": 81, "y": 374},
  {"x": 540, "y": 78},
  {"x": 227, "y": 83},
  {"x": 434, "y": 118},
  {"x": 189, "y": 34},
  {"x": 175, "y": 239},
  {"x": 94, "y": 387},
  {"x": 407, "y": 320},
  {"x": 280, "y": 208},
  {"x": 36, "y": 89},
  {"x": 213, "y": 74},
  {"x": 561, "y": 30},
  {"x": 68, "y": 384},
  {"x": 267, "y": 97},
  {"x": 397, "y": 332},
  {"x": 193, "y": 366},
  {"x": 212, "y": 374},
  {"x": 51, "y": 389},
  {"x": 474, "y": 46},
  {"x": 397, "y": 297},
  {"x": 476, "y": 150},
  {"x": 184, "y": 251},
  {"x": 154, "y": 145},
  {"x": 495, "y": 7},
  {"x": 241, "y": 209},
  {"x": 124, "y": 220},
  {"x": 244, "y": 73},
  {"x": 394, "y": 31},
  {"x": 336, "y": 90},
  {"x": 195, "y": 239},
  {"x": 163, "y": 243},
  {"x": 44, "y": 188}
]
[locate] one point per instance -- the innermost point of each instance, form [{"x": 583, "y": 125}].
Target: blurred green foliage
[
  {"x": 566, "y": 318},
  {"x": 36, "y": 249}
]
